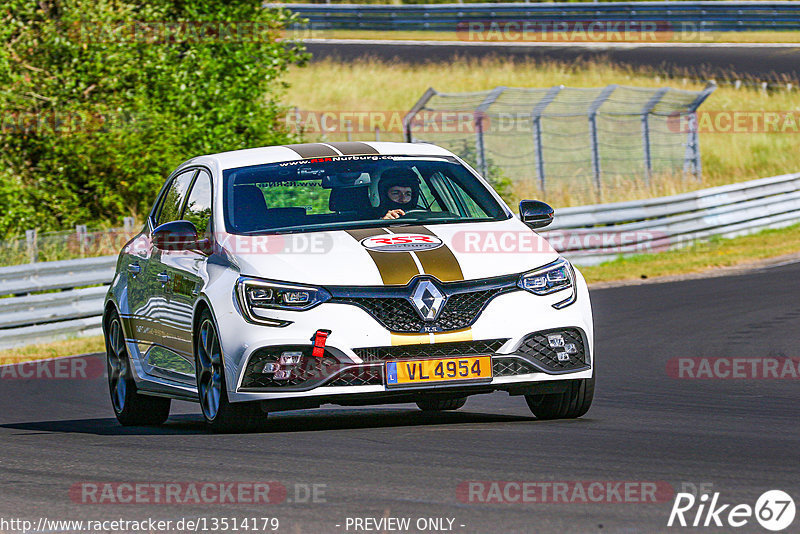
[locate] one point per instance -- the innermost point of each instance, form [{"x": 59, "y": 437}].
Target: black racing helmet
[{"x": 402, "y": 177}]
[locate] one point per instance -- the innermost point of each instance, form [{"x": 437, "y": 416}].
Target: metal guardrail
[
  {"x": 593, "y": 234},
  {"x": 52, "y": 275},
  {"x": 684, "y": 16},
  {"x": 29, "y": 316},
  {"x": 586, "y": 235}
]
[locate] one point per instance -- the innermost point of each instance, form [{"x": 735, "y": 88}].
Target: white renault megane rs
[{"x": 288, "y": 277}]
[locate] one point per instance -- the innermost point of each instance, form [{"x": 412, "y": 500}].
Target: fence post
[
  {"x": 480, "y": 113},
  {"x": 646, "y": 110},
  {"x": 691, "y": 160},
  {"x": 128, "y": 223},
  {"x": 413, "y": 113},
  {"x": 377, "y": 134},
  {"x": 81, "y": 230},
  {"x": 593, "y": 109},
  {"x": 32, "y": 244},
  {"x": 538, "y": 109}
]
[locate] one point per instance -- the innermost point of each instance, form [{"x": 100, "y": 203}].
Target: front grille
[
  {"x": 398, "y": 315},
  {"x": 536, "y": 346},
  {"x": 511, "y": 367},
  {"x": 434, "y": 350},
  {"x": 358, "y": 376},
  {"x": 395, "y": 314}
]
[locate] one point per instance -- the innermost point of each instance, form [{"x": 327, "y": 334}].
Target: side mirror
[
  {"x": 176, "y": 235},
  {"x": 535, "y": 213}
]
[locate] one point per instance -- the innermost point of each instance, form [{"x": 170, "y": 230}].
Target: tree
[{"x": 102, "y": 99}]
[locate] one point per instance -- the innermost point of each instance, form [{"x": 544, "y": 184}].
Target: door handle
[
  {"x": 134, "y": 268},
  {"x": 163, "y": 278}
]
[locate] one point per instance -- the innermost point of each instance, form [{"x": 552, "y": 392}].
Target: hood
[{"x": 393, "y": 255}]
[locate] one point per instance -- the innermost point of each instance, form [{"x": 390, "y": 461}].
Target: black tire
[
  {"x": 572, "y": 403},
  {"x": 441, "y": 405},
  {"x": 221, "y": 415},
  {"x": 131, "y": 407}
]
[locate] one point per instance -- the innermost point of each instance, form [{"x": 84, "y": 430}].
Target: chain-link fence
[
  {"x": 82, "y": 242},
  {"x": 558, "y": 142}
]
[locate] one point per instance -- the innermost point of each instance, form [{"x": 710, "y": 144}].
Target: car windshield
[{"x": 354, "y": 191}]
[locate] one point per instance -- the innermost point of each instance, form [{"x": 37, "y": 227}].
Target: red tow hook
[{"x": 319, "y": 339}]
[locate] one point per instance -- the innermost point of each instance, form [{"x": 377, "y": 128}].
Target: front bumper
[{"x": 357, "y": 349}]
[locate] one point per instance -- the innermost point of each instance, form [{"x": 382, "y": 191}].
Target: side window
[
  {"x": 472, "y": 208},
  {"x": 456, "y": 200},
  {"x": 198, "y": 207},
  {"x": 170, "y": 208},
  {"x": 428, "y": 200}
]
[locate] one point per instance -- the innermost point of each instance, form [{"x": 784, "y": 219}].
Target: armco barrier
[
  {"x": 668, "y": 222},
  {"x": 579, "y": 233},
  {"x": 29, "y": 316},
  {"x": 696, "y": 16}
]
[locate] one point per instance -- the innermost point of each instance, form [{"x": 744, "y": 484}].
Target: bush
[
  {"x": 495, "y": 175},
  {"x": 102, "y": 100}
]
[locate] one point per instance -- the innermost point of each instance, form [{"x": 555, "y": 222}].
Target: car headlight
[
  {"x": 255, "y": 294},
  {"x": 556, "y": 276}
]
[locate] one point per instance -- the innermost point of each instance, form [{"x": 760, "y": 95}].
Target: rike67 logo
[{"x": 774, "y": 510}]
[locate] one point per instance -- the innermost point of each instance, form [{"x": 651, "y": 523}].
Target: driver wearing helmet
[{"x": 399, "y": 192}]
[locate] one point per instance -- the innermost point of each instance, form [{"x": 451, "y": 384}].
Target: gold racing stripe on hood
[
  {"x": 396, "y": 268},
  {"x": 439, "y": 262}
]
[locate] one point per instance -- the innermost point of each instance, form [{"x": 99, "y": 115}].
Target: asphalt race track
[
  {"x": 738, "y": 437},
  {"x": 759, "y": 61}
]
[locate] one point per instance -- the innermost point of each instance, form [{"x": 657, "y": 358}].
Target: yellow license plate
[{"x": 400, "y": 373}]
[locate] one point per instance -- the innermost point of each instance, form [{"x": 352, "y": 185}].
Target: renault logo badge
[{"x": 428, "y": 300}]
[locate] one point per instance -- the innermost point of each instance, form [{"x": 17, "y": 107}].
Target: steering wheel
[{"x": 410, "y": 212}]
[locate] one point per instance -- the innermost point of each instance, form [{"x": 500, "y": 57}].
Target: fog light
[
  {"x": 290, "y": 358},
  {"x": 571, "y": 348},
  {"x": 282, "y": 374},
  {"x": 282, "y": 369},
  {"x": 555, "y": 340},
  {"x": 271, "y": 367}
]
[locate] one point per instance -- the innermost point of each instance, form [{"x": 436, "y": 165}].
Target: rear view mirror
[{"x": 535, "y": 213}]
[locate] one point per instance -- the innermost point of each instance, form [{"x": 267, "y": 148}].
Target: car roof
[{"x": 275, "y": 154}]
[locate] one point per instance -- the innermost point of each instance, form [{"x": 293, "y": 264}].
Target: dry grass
[
  {"x": 704, "y": 37},
  {"x": 373, "y": 85},
  {"x": 69, "y": 347}
]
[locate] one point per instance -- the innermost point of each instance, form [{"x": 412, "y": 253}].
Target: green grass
[{"x": 699, "y": 257}]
